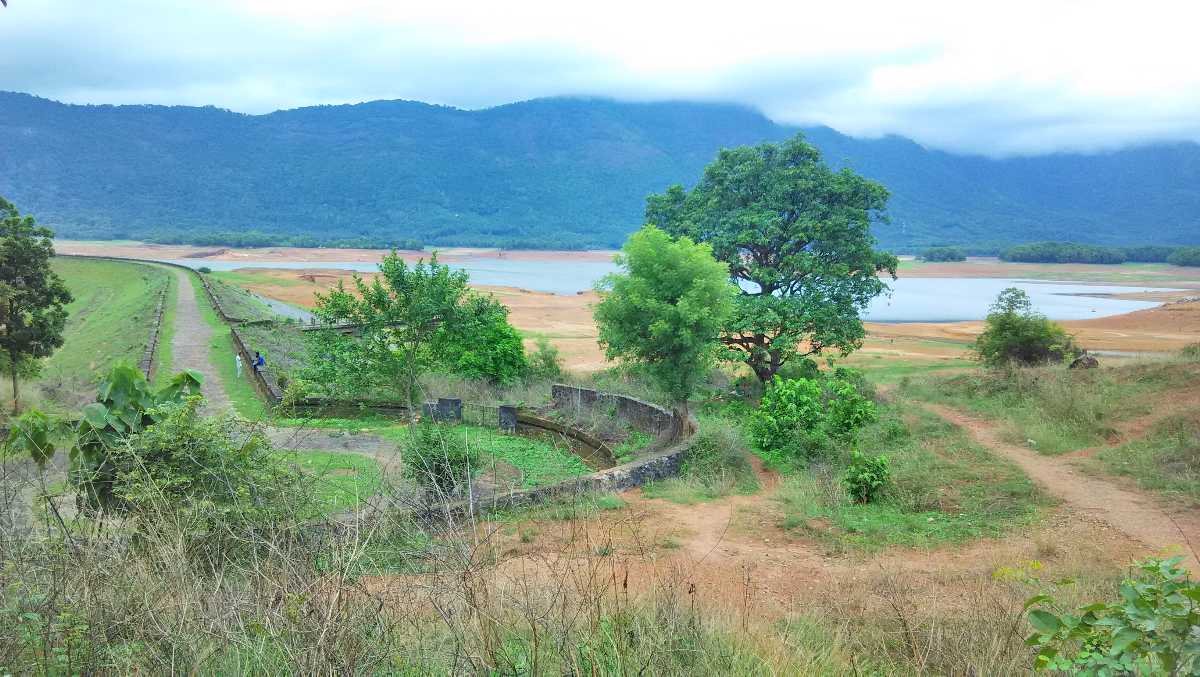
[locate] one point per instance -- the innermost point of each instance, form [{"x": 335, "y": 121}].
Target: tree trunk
[
  {"x": 765, "y": 364},
  {"x": 16, "y": 392}
]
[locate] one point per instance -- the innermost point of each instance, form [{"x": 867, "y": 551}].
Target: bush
[
  {"x": 1185, "y": 256},
  {"x": 545, "y": 363},
  {"x": 940, "y": 254},
  {"x": 1150, "y": 631},
  {"x": 210, "y": 473},
  {"x": 865, "y": 477},
  {"x": 847, "y": 410},
  {"x": 718, "y": 454},
  {"x": 438, "y": 459},
  {"x": 488, "y": 347},
  {"x": 1015, "y": 334},
  {"x": 800, "y": 417},
  {"x": 1190, "y": 352},
  {"x": 790, "y": 412}
]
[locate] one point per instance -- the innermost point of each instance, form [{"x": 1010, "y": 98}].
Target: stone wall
[
  {"x": 644, "y": 416},
  {"x": 149, "y": 356}
]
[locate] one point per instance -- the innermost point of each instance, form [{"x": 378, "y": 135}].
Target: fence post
[
  {"x": 449, "y": 409},
  {"x": 508, "y": 418}
]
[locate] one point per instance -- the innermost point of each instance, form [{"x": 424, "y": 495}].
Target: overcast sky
[{"x": 997, "y": 77}]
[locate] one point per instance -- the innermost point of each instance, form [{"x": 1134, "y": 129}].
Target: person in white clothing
[{"x": 238, "y": 361}]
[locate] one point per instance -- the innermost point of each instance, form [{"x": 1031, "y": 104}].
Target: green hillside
[{"x": 542, "y": 173}]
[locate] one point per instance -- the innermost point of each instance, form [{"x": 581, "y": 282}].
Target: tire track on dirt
[{"x": 1138, "y": 516}]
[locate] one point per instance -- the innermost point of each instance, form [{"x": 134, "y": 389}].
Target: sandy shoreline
[{"x": 566, "y": 320}]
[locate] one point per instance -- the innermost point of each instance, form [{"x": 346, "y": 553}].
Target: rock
[{"x": 1085, "y": 361}]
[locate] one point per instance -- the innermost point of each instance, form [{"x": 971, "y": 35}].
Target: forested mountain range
[{"x": 555, "y": 173}]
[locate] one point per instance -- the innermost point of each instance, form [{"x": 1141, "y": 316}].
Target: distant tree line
[
  {"x": 1074, "y": 252},
  {"x": 943, "y": 254}
]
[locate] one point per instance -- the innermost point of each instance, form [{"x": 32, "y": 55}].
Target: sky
[{"x": 1004, "y": 78}]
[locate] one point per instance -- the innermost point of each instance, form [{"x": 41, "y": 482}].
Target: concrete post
[{"x": 508, "y": 418}]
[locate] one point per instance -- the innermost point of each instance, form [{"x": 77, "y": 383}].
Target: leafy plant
[
  {"x": 790, "y": 410},
  {"x": 1152, "y": 629},
  {"x": 437, "y": 458},
  {"x": 1016, "y": 334},
  {"x": 847, "y": 410},
  {"x": 483, "y": 344},
  {"x": 865, "y": 476},
  {"x": 126, "y": 405},
  {"x": 804, "y": 415},
  {"x": 545, "y": 362}
]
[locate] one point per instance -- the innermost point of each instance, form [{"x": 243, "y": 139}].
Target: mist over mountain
[{"x": 544, "y": 173}]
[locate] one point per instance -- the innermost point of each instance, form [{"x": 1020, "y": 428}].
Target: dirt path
[
  {"x": 1140, "y": 517},
  {"x": 190, "y": 345}
]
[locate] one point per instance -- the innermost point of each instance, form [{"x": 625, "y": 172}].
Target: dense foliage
[
  {"x": 866, "y": 476},
  {"x": 32, "y": 296},
  {"x": 384, "y": 335},
  {"x": 1185, "y": 256},
  {"x": 796, "y": 236},
  {"x": 483, "y": 345},
  {"x": 943, "y": 254},
  {"x": 551, "y": 173},
  {"x": 801, "y": 418},
  {"x": 666, "y": 311},
  {"x": 1074, "y": 252},
  {"x": 1150, "y": 630},
  {"x": 1015, "y": 334}
]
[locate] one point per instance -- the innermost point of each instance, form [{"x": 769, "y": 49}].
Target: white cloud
[{"x": 1016, "y": 77}]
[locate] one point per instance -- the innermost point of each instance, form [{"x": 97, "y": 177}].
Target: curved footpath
[{"x": 1140, "y": 516}]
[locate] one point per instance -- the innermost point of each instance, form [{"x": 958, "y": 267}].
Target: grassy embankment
[{"x": 109, "y": 321}]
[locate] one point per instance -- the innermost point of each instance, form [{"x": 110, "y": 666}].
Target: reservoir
[{"x": 910, "y": 300}]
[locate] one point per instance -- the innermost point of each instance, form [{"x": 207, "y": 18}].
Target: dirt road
[
  {"x": 190, "y": 345},
  {"x": 1139, "y": 516}
]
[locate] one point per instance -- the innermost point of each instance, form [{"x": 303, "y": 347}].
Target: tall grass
[{"x": 1053, "y": 409}]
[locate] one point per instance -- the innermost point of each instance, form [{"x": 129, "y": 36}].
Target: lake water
[{"x": 911, "y": 300}]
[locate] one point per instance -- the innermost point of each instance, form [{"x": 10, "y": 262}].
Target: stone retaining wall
[{"x": 645, "y": 416}]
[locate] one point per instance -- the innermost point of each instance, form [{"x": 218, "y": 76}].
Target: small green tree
[
  {"x": 797, "y": 238},
  {"x": 32, "y": 297},
  {"x": 396, "y": 325},
  {"x": 666, "y": 310},
  {"x": 383, "y": 336},
  {"x": 1016, "y": 334}
]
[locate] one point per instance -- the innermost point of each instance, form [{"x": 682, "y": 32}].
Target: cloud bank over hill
[{"x": 1022, "y": 77}]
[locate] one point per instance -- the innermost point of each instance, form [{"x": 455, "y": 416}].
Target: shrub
[
  {"x": 1190, "y": 352},
  {"x": 718, "y": 454},
  {"x": 204, "y": 269},
  {"x": 487, "y": 346},
  {"x": 1150, "y": 631},
  {"x": 801, "y": 416},
  {"x": 791, "y": 412},
  {"x": 865, "y": 477},
  {"x": 1015, "y": 334},
  {"x": 545, "y": 363},
  {"x": 847, "y": 410},
  {"x": 438, "y": 459},
  {"x": 940, "y": 254},
  {"x": 209, "y": 473}
]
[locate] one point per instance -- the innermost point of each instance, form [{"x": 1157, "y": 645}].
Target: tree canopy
[
  {"x": 32, "y": 296},
  {"x": 796, "y": 237},
  {"x": 409, "y": 320},
  {"x": 666, "y": 310}
]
